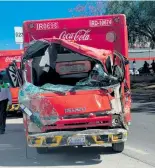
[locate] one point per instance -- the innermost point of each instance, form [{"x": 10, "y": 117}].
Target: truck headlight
[{"x": 116, "y": 120}]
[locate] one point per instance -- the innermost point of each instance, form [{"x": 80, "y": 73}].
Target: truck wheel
[
  {"x": 42, "y": 150},
  {"x": 118, "y": 147}
]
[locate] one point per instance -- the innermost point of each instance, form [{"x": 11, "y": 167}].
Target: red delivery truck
[
  {"x": 6, "y": 57},
  {"x": 74, "y": 82}
]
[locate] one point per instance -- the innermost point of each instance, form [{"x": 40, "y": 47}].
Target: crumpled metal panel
[
  {"x": 89, "y": 138},
  {"x": 84, "y": 132},
  {"x": 42, "y": 108},
  {"x": 43, "y": 112}
]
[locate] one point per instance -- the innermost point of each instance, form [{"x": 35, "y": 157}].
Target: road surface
[{"x": 139, "y": 151}]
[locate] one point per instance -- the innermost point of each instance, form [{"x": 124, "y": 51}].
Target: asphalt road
[{"x": 139, "y": 151}]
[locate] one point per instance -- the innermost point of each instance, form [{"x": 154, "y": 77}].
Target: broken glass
[
  {"x": 43, "y": 112},
  {"x": 97, "y": 78},
  {"x": 32, "y": 97}
]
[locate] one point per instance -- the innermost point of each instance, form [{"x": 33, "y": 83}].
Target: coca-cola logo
[
  {"x": 80, "y": 35},
  {"x": 10, "y": 59}
]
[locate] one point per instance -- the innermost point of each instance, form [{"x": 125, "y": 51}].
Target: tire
[
  {"x": 118, "y": 147},
  {"x": 42, "y": 150}
]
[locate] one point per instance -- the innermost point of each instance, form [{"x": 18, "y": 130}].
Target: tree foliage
[
  {"x": 140, "y": 17},
  {"x": 89, "y": 9}
]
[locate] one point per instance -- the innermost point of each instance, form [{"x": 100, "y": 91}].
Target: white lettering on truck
[
  {"x": 10, "y": 59},
  {"x": 80, "y": 35},
  {"x": 47, "y": 26},
  {"x": 100, "y": 22}
]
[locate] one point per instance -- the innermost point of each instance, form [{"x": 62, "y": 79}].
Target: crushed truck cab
[{"x": 74, "y": 84}]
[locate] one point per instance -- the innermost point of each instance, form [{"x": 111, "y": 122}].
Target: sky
[{"x": 14, "y": 13}]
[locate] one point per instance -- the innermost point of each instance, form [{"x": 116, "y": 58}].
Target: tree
[
  {"x": 89, "y": 9},
  {"x": 140, "y": 17}
]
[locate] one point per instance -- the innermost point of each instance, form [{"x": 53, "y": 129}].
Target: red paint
[
  {"x": 79, "y": 30},
  {"x": 83, "y": 122},
  {"x": 107, "y": 33},
  {"x": 6, "y": 57}
]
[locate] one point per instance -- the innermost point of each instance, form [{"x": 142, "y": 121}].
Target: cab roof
[{"x": 38, "y": 47}]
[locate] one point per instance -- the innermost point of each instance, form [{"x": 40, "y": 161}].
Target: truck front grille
[
  {"x": 80, "y": 123},
  {"x": 86, "y": 115}
]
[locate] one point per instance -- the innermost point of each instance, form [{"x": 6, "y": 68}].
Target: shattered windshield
[
  {"x": 97, "y": 79},
  {"x": 58, "y": 69}
]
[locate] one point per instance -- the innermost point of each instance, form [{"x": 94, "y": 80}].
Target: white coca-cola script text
[
  {"x": 80, "y": 35},
  {"x": 10, "y": 59}
]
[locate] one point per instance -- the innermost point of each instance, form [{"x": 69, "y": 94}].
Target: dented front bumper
[{"x": 74, "y": 138}]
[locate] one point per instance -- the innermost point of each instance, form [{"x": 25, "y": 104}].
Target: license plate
[{"x": 77, "y": 140}]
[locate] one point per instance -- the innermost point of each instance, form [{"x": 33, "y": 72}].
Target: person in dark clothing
[
  {"x": 146, "y": 67},
  {"x": 153, "y": 66},
  {"x": 134, "y": 67},
  {"x": 5, "y": 99}
]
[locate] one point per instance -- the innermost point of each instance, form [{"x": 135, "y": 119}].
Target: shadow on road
[
  {"x": 144, "y": 108},
  {"x": 143, "y": 102},
  {"x": 13, "y": 152},
  {"x": 13, "y": 115},
  {"x": 145, "y": 97}
]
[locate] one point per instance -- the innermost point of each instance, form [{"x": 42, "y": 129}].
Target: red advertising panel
[{"x": 6, "y": 57}]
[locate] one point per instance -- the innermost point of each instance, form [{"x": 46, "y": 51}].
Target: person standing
[
  {"x": 153, "y": 66},
  {"x": 5, "y": 99},
  {"x": 146, "y": 67},
  {"x": 134, "y": 67}
]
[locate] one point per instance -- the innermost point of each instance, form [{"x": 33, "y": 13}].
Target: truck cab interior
[{"x": 60, "y": 66}]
